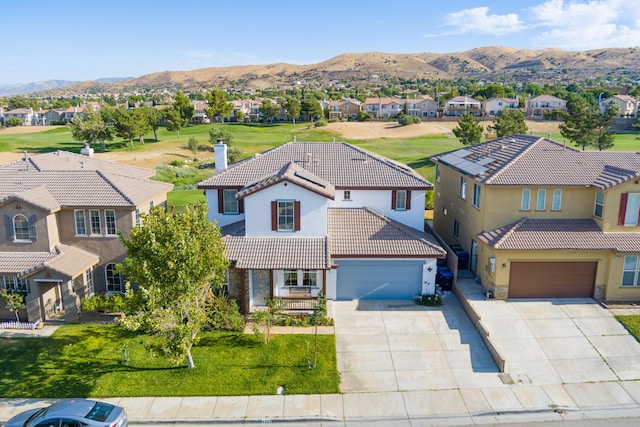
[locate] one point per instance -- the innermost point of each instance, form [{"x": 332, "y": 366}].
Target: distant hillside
[
  {"x": 20, "y": 89},
  {"x": 548, "y": 65}
]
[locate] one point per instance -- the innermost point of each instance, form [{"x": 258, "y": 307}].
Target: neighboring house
[
  {"x": 421, "y": 107},
  {"x": 308, "y": 218},
  {"x": 462, "y": 104},
  {"x": 27, "y": 115},
  {"x": 344, "y": 109},
  {"x": 543, "y": 220},
  {"x": 383, "y": 108},
  {"x": 61, "y": 216},
  {"x": 540, "y": 105},
  {"x": 627, "y": 105},
  {"x": 200, "y": 112},
  {"x": 493, "y": 106}
]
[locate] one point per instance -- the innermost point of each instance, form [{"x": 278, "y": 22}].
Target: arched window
[
  {"x": 20, "y": 227},
  {"x": 113, "y": 278}
]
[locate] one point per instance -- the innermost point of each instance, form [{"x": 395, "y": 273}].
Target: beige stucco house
[
  {"x": 539, "y": 219},
  {"x": 62, "y": 213}
]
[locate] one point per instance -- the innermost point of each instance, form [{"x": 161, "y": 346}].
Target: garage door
[
  {"x": 378, "y": 279},
  {"x": 552, "y": 279}
]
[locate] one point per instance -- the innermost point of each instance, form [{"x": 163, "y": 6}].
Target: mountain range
[{"x": 487, "y": 63}]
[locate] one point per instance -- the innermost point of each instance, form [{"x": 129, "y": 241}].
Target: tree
[
  {"x": 90, "y": 129},
  {"x": 219, "y": 107},
  {"x": 508, "y": 122},
  {"x": 269, "y": 110},
  {"x": 14, "y": 300},
  {"x": 173, "y": 121},
  {"x": 604, "y": 133},
  {"x": 176, "y": 260},
  {"x": 585, "y": 125},
  {"x": 292, "y": 108},
  {"x": 153, "y": 117},
  {"x": 310, "y": 108},
  {"x": 182, "y": 104},
  {"x": 142, "y": 118},
  {"x": 131, "y": 124},
  {"x": 216, "y": 133},
  {"x": 469, "y": 130}
]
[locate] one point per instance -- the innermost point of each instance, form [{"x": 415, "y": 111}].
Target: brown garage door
[{"x": 552, "y": 279}]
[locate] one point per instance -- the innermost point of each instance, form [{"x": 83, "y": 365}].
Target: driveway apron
[{"x": 388, "y": 346}]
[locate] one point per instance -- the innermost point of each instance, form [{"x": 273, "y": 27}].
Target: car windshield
[
  {"x": 36, "y": 416},
  {"x": 100, "y": 411}
]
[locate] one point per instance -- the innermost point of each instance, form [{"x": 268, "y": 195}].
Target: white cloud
[
  {"x": 587, "y": 25},
  {"x": 477, "y": 20}
]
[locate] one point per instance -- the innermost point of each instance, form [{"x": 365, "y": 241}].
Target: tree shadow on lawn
[{"x": 424, "y": 162}]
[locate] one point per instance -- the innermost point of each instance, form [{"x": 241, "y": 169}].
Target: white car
[{"x": 72, "y": 413}]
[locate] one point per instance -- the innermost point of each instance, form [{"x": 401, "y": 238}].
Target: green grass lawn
[
  {"x": 632, "y": 323},
  {"x": 90, "y": 361}
]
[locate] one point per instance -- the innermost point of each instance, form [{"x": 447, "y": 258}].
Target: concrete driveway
[{"x": 386, "y": 346}]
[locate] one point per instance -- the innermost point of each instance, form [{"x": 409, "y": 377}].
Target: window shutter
[
  {"x": 220, "y": 200},
  {"x": 408, "y": 199},
  {"x": 241, "y": 206},
  {"x": 393, "y": 200},
  {"x": 274, "y": 216},
  {"x": 8, "y": 225},
  {"x": 623, "y": 208},
  {"x": 296, "y": 216},
  {"x": 33, "y": 235}
]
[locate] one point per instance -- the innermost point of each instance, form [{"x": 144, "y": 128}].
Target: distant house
[
  {"x": 540, "y": 105},
  {"x": 62, "y": 213},
  {"x": 200, "y": 112},
  {"x": 27, "y": 115},
  {"x": 421, "y": 107},
  {"x": 383, "y": 108},
  {"x": 344, "y": 109},
  {"x": 308, "y": 218},
  {"x": 463, "y": 104},
  {"x": 627, "y": 105},
  {"x": 493, "y": 106}
]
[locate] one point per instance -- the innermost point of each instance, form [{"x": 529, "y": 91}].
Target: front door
[
  {"x": 260, "y": 287},
  {"x": 474, "y": 256}
]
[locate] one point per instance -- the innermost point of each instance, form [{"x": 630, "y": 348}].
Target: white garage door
[{"x": 358, "y": 279}]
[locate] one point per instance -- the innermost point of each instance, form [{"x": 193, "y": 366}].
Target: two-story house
[
  {"x": 627, "y": 105},
  {"x": 383, "y": 108},
  {"x": 62, "y": 213},
  {"x": 540, "y": 105},
  {"x": 459, "y": 105},
  {"x": 493, "y": 106},
  {"x": 540, "y": 219},
  {"x": 344, "y": 109},
  {"x": 309, "y": 218},
  {"x": 421, "y": 107}
]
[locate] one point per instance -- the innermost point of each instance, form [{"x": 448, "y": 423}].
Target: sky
[{"x": 88, "y": 40}]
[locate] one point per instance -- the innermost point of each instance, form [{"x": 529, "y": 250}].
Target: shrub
[
  {"x": 223, "y": 313},
  {"x": 320, "y": 123},
  {"x": 193, "y": 144},
  {"x": 405, "y": 120},
  {"x": 428, "y": 201},
  {"x": 234, "y": 154},
  {"x": 105, "y": 303},
  {"x": 334, "y": 120},
  {"x": 432, "y": 300},
  {"x": 13, "y": 121}
]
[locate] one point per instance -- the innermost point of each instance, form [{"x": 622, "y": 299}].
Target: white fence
[{"x": 19, "y": 325}]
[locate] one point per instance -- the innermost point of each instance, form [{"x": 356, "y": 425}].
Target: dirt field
[{"x": 348, "y": 130}]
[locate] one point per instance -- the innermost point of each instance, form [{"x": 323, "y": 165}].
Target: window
[
  {"x": 631, "y": 271},
  {"x": 347, "y": 195},
  {"x": 285, "y": 216},
  {"x": 456, "y": 228},
  {"x": 230, "y": 203},
  {"x": 557, "y": 200},
  {"x": 599, "y": 204},
  {"x": 476, "y": 195},
  {"x": 525, "y": 205},
  {"x": 81, "y": 226},
  {"x": 113, "y": 278},
  {"x": 309, "y": 278},
  {"x": 20, "y": 228},
  {"x": 629, "y": 209},
  {"x": 137, "y": 216},
  {"x": 88, "y": 278},
  {"x": 437, "y": 172},
  {"x": 110, "y": 222},
  {"x": 94, "y": 221},
  {"x": 13, "y": 283},
  {"x": 542, "y": 199},
  {"x": 463, "y": 187},
  {"x": 401, "y": 200},
  {"x": 291, "y": 278}
]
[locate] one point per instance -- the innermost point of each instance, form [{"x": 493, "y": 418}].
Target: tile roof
[
  {"x": 268, "y": 253},
  {"x": 295, "y": 175},
  {"x": 360, "y": 232},
  {"x": 558, "y": 234},
  {"x": 341, "y": 164},
  {"x": 520, "y": 160},
  {"x": 67, "y": 260}
]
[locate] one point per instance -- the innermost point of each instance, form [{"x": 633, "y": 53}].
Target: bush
[
  {"x": 431, "y": 300},
  {"x": 193, "y": 144},
  {"x": 334, "y": 120},
  {"x": 234, "y": 154},
  {"x": 13, "y": 121},
  {"x": 224, "y": 314},
  {"x": 104, "y": 303},
  {"x": 428, "y": 201},
  {"x": 320, "y": 123},
  {"x": 405, "y": 120}
]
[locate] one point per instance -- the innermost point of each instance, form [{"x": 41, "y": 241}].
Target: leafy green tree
[
  {"x": 585, "y": 125},
  {"x": 153, "y": 116},
  {"x": 91, "y": 129},
  {"x": 310, "y": 108},
  {"x": 14, "y": 301},
  {"x": 143, "y": 121},
  {"x": 269, "y": 110},
  {"x": 508, "y": 122},
  {"x": 20, "y": 101},
  {"x": 604, "y": 133},
  {"x": 265, "y": 318},
  {"x": 219, "y": 107},
  {"x": 185, "y": 108},
  {"x": 130, "y": 124},
  {"x": 176, "y": 260},
  {"x": 173, "y": 121},
  {"x": 216, "y": 133},
  {"x": 292, "y": 108},
  {"x": 469, "y": 130}
]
